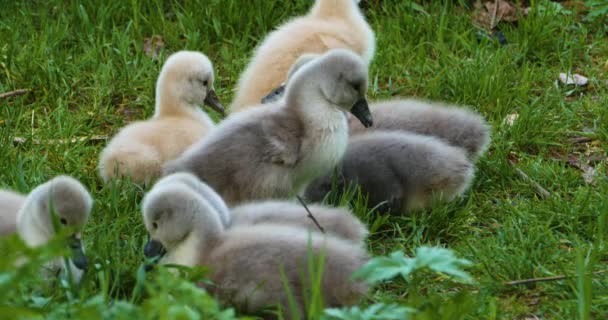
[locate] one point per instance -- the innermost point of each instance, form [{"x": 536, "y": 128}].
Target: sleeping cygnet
[
  {"x": 455, "y": 125},
  {"x": 140, "y": 149},
  {"x": 398, "y": 171},
  {"x": 246, "y": 262},
  {"x": 273, "y": 152},
  {"x": 63, "y": 196},
  {"x": 330, "y": 24}
]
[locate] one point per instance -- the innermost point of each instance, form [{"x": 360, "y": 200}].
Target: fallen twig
[
  {"x": 545, "y": 279},
  {"x": 493, "y": 20},
  {"x": 14, "y": 93},
  {"x": 310, "y": 214},
  {"x": 579, "y": 140},
  {"x": 541, "y": 191},
  {"x": 21, "y": 140}
]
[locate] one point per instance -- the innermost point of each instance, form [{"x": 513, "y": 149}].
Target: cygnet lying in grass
[
  {"x": 330, "y": 24},
  {"x": 247, "y": 262},
  {"x": 64, "y": 197},
  {"x": 274, "y": 152},
  {"x": 398, "y": 170},
  {"x": 140, "y": 149}
]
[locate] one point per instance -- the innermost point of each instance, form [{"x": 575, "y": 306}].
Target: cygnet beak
[
  {"x": 214, "y": 102},
  {"x": 154, "y": 249},
  {"x": 361, "y": 110},
  {"x": 275, "y": 94},
  {"x": 78, "y": 257}
]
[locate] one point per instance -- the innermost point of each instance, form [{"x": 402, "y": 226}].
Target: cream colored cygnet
[
  {"x": 140, "y": 149},
  {"x": 247, "y": 262},
  {"x": 330, "y": 24},
  {"x": 63, "y": 198}
]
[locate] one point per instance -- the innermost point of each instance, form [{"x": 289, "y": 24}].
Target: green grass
[{"x": 89, "y": 76}]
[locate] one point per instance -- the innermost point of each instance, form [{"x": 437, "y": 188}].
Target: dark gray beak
[
  {"x": 361, "y": 110},
  {"x": 214, "y": 102},
  {"x": 78, "y": 257},
  {"x": 154, "y": 249},
  {"x": 274, "y": 95}
]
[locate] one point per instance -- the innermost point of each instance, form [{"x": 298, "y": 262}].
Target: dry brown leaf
[
  {"x": 492, "y": 12},
  {"x": 153, "y": 45}
]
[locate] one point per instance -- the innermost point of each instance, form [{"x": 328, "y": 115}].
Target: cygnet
[
  {"x": 140, "y": 149},
  {"x": 398, "y": 171},
  {"x": 63, "y": 198},
  {"x": 248, "y": 264},
  {"x": 330, "y": 24}
]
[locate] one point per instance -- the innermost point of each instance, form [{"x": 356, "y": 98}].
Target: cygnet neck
[
  {"x": 207, "y": 227},
  {"x": 334, "y": 8},
  {"x": 306, "y": 99},
  {"x": 31, "y": 226},
  {"x": 168, "y": 104}
]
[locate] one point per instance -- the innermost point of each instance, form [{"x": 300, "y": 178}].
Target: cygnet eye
[
  {"x": 203, "y": 82},
  {"x": 355, "y": 85},
  {"x": 63, "y": 221},
  {"x": 154, "y": 225}
]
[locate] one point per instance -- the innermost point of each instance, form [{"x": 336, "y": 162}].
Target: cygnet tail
[
  {"x": 447, "y": 180},
  {"x": 141, "y": 163}
]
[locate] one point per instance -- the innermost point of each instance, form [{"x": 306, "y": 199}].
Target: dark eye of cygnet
[
  {"x": 355, "y": 85},
  {"x": 154, "y": 225},
  {"x": 63, "y": 221}
]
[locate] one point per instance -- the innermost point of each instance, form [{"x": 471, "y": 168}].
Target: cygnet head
[
  {"x": 173, "y": 214},
  {"x": 69, "y": 201},
  {"x": 203, "y": 190},
  {"x": 186, "y": 79},
  {"x": 341, "y": 78}
]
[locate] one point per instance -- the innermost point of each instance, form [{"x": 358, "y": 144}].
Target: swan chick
[
  {"x": 65, "y": 200},
  {"x": 246, "y": 262},
  {"x": 140, "y": 149},
  {"x": 398, "y": 171},
  {"x": 274, "y": 152},
  {"x": 330, "y": 24}
]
